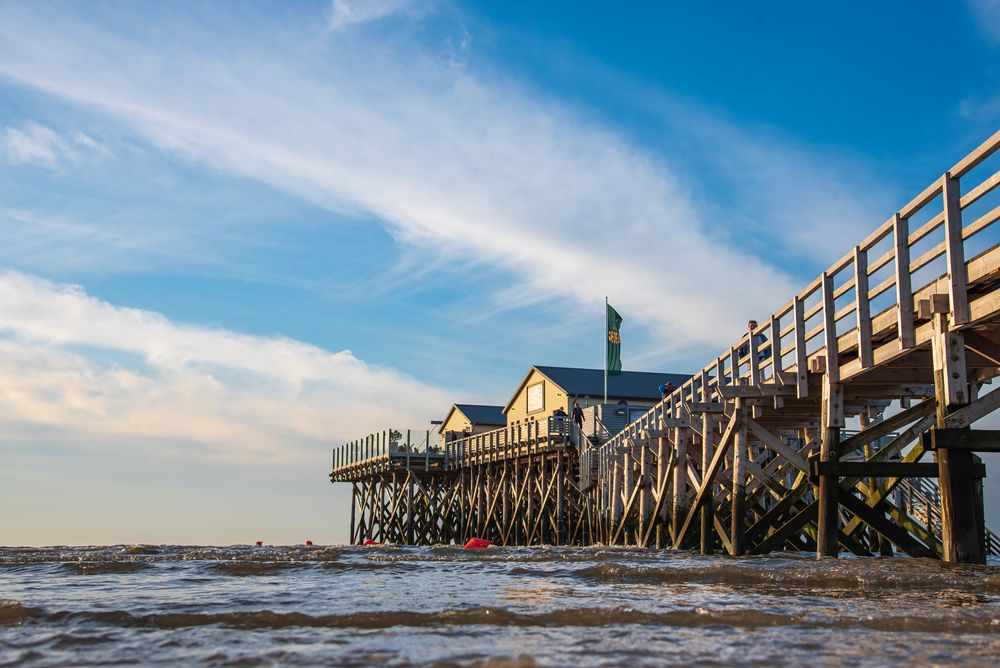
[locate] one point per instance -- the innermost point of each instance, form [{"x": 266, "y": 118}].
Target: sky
[{"x": 235, "y": 235}]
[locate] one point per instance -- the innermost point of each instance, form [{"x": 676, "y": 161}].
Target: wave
[
  {"x": 502, "y": 617},
  {"x": 140, "y": 549},
  {"x": 13, "y": 613},
  {"x": 883, "y": 575},
  {"x": 248, "y": 568},
  {"x": 164, "y": 553},
  {"x": 105, "y": 567}
]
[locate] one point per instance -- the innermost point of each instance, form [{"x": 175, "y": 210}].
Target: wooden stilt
[
  {"x": 708, "y": 509},
  {"x": 737, "y": 533},
  {"x": 961, "y": 506},
  {"x": 679, "y": 484}
]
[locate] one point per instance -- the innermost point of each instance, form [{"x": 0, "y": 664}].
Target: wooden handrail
[{"x": 729, "y": 367}]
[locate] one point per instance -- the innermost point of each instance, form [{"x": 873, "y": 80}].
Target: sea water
[{"x": 246, "y": 606}]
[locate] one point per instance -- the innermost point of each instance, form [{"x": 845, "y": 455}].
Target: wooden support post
[
  {"x": 354, "y": 505},
  {"x": 410, "y": 510},
  {"x": 529, "y": 498},
  {"x": 645, "y": 495},
  {"x": 678, "y": 509},
  {"x": 616, "y": 494},
  {"x": 737, "y": 533},
  {"x": 505, "y": 517},
  {"x": 661, "y": 471},
  {"x": 560, "y": 485},
  {"x": 628, "y": 489},
  {"x": 708, "y": 510},
  {"x": 962, "y": 513},
  {"x": 832, "y": 420}
]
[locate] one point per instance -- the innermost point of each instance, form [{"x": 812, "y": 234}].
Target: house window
[{"x": 536, "y": 397}]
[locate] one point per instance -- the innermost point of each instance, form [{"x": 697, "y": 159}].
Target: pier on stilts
[{"x": 843, "y": 423}]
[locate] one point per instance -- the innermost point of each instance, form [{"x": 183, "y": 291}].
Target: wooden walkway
[{"x": 901, "y": 335}]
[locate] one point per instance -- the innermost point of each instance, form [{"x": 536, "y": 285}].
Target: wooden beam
[
  {"x": 982, "y": 346},
  {"x": 879, "y": 469},
  {"x": 973, "y": 440},
  {"x": 787, "y": 530},
  {"x": 876, "y": 519},
  {"x": 886, "y": 427},
  {"x": 980, "y": 408},
  {"x": 740, "y": 391},
  {"x": 775, "y": 444},
  {"x": 707, "y": 477}
]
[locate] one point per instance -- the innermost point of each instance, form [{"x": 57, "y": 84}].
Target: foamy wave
[{"x": 500, "y": 617}]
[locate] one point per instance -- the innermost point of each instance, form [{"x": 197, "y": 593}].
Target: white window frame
[{"x": 537, "y": 389}]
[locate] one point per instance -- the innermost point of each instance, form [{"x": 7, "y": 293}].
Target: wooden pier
[{"x": 900, "y": 338}]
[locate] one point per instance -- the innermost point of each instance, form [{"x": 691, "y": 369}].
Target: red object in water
[
  {"x": 369, "y": 542},
  {"x": 477, "y": 543},
  {"x": 309, "y": 542},
  {"x": 260, "y": 543}
]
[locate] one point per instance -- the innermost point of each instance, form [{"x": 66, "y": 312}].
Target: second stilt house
[{"x": 470, "y": 419}]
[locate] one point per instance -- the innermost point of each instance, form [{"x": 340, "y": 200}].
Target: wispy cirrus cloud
[
  {"x": 464, "y": 165},
  {"x": 987, "y": 14},
  {"x": 108, "y": 377},
  {"x": 344, "y": 13},
  {"x": 36, "y": 144}
]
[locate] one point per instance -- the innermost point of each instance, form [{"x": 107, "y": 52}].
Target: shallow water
[{"x": 502, "y": 606}]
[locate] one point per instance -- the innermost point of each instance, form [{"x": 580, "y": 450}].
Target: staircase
[{"x": 920, "y": 498}]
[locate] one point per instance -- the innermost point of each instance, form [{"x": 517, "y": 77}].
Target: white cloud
[
  {"x": 33, "y": 143},
  {"x": 348, "y": 12},
  {"x": 987, "y": 13},
  {"x": 111, "y": 377},
  {"x": 468, "y": 166}
]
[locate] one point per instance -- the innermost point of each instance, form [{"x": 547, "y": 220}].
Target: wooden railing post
[
  {"x": 955, "y": 251},
  {"x": 862, "y": 309},
  {"x": 904, "y": 291},
  {"x": 801, "y": 369}
]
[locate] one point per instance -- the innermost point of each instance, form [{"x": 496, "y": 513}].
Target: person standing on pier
[
  {"x": 762, "y": 352},
  {"x": 577, "y": 414}
]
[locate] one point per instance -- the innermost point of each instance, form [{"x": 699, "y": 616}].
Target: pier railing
[
  {"x": 391, "y": 449},
  {"x": 828, "y": 327},
  {"x": 513, "y": 441},
  {"x": 387, "y": 450}
]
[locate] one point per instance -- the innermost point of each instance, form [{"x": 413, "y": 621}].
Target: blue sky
[{"x": 236, "y": 235}]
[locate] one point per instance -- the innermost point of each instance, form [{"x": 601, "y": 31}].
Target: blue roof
[
  {"x": 488, "y": 415},
  {"x": 629, "y": 385}
]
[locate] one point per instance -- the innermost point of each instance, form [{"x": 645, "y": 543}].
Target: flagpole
[{"x": 605, "y": 349}]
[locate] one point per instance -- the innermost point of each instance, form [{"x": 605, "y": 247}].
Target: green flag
[{"x": 614, "y": 360}]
